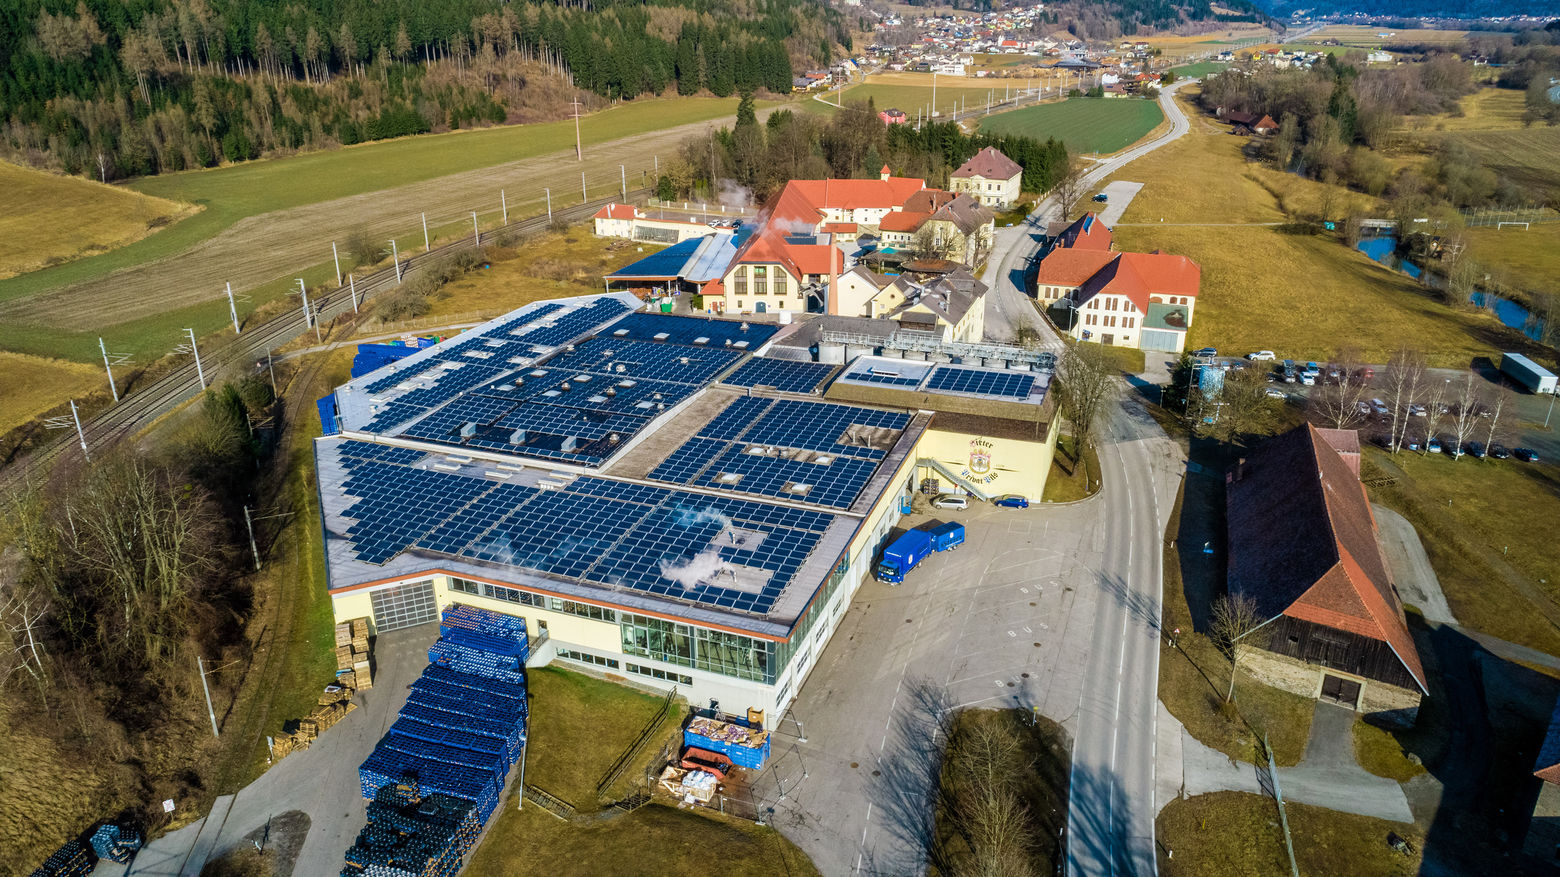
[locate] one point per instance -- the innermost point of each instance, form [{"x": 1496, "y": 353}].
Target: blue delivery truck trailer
[{"x": 904, "y": 553}]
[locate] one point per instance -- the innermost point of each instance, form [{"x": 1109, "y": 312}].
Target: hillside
[{"x": 1426, "y": 8}]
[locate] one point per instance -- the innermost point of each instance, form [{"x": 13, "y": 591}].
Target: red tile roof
[
  {"x": 770, "y": 246},
  {"x": 616, "y": 211},
  {"x": 991, "y": 164},
  {"x": 840, "y": 227},
  {"x": 1087, "y": 232},
  {"x": 1141, "y": 275},
  {"x": 902, "y": 220},
  {"x": 805, "y": 200},
  {"x": 1547, "y": 767},
  {"x": 1303, "y": 544}
]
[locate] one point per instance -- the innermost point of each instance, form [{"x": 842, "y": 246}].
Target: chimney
[
  {"x": 831, "y": 299},
  {"x": 885, "y": 173}
]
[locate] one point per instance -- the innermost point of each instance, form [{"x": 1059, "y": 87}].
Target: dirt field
[
  {"x": 261, "y": 248},
  {"x": 47, "y": 219},
  {"x": 1373, "y": 37},
  {"x": 31, "y": 385}
]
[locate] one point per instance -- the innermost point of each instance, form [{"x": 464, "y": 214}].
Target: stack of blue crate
[
  {"x": 116, "y": 843},
  {"x": 74, "y": 859},
  {"x": 457, "y": 737}
]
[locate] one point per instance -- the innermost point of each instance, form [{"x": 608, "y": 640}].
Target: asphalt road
[{"x": 1112, "y": 807}]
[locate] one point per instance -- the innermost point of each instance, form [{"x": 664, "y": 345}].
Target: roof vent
[
  {"x": 569, "y": 444},
  {"x": 620, "y": 333},
  {"x": 517, "y": 437},
  {"x": 682, "y": 360},
  {"x": 701, "y": 340},
  {"x": 467, "y": 430},
  {"x": 662, "y": 336},
  {"x": 613, "y": 438}
]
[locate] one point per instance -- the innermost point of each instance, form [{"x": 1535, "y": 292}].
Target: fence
[
  {"x": 1517, "y": 216},
  {"x": 650, "y": 729}
]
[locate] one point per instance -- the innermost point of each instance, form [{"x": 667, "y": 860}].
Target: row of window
[
  {"x": 664, "y": 676},
  {"x": 588, "y": 658},
  {"x": 538, "y": 601},
  {"x": 1108, "y": 322}
]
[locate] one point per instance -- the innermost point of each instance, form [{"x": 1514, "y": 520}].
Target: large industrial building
[{"x": 662, "y": 503}]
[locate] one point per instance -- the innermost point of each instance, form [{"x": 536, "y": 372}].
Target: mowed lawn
[
  {"x": 253, "y": 188},
  {"x": 1099, "y": 125},
  {"x": 1304, "y": 296},
  {"x": 913, "y": 98},
  {"x": 47, "y": 219},
  {"x": 1234, "y": 834}
]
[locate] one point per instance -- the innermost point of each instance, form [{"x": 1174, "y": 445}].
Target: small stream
[{"x": 1510, "y": 313}]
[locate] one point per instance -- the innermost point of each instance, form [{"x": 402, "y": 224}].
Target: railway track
[{"x": 140, "y": 409}]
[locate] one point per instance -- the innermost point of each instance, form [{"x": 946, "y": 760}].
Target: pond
[{"x": 1510, "y": 313}]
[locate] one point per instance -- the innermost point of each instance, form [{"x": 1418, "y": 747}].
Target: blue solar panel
[
  {"x": 384, "y": 453},
  {"x": 784, "y": 375},
  {"x": 475, "y": 520},
  {"x": 835, "y": 483},
  {"x": 397, "y": 505},
  {"x": 688, "y": 461},
  {"x": 893, "y": 380},
  {"x": 737, "y": 417},
  {"x": 981, "y": 382},
  {"x": 391, "y": 416},
  {"x": 627, "y": 358},
  {"x": 688, "y": 330}
]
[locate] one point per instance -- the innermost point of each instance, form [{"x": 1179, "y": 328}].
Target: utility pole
[
  {"x": 579, "y": 152},
  {"x": 503, "y": 203},
  {"x": 233, "y": 309},
  {"x": 934, "y": 92},
  {"x": 336, "y": 257},
  {"x": 304, "y": 291},
  {"x": 622, "y": 172},
  {"x": 81, "y": 436},
  {"x": 584, "y": 195},
  {"x": 353, "y": 283},
  {"x": 201, "y": 666},
  {"x": 109, "y": 367},
  {"x": 271, "y": 367},
  {"x": 249, "y": 522},
  {"x": 426, "y": 245},
  {"x": 395, "y": 256},
  {"x": 476, "y": 233},
  {"x": 201, "y": 372}
]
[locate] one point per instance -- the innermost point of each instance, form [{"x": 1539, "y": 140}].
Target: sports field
[
  {"x": 48, "y": 219},
  {"x": 1200, "y": 68},
  {"x": 912, "y": 92},
  {"x": 1097, "y": 125},
  {"x": 1363, "y": 36}
]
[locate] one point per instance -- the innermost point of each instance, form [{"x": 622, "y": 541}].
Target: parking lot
[{"x": 1003, "y": 621}]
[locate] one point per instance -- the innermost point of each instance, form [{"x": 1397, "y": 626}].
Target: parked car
[
  {"x": 1011, "y": 501},
  {"x": 1365, "y": 373},
  {"x": 1433, "y": 446},
  {"x": 1206, "y": 352},
  {"x": 1475, "y": 450},
  {"x": 1526, "y": 455},
  {"x": 1379, "y": 407},
  {"x": 1363, "y": 408},
  {"x": 1101, "y": 198},
  {"x": 1308, "y": 379},
  {"x": 1499, "y": 452},
  {"x": 1275, "y": 393},
  {"x": 1261, "y": 356},
  {"x": 1454, "y": 450},
  {"x": 1313, "y": 368},
  {"x": 1411, "y": 444},
  {"x": 1334, "y": 375},
  {"x": 951, "y": 501},
  {"x": 1416, "y": 410}
]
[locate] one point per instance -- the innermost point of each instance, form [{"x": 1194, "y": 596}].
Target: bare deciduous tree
[
  {"x": 1083, "y": 385},
  {"x": 1068, "y": 188},
  {"x": 1436, "y": 395},
  {"x": 1466, "y": 416},
  {"x": 1240, "y": 408},
  {"x": 1404, "y": 374},
  {"x": 1498, "y": 401},
  {"x": 1337, "y": 402},
  {"x": 1233, "y": 617}
]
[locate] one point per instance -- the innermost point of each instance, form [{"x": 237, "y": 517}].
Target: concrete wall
[{"x": 1382, "y": 701}]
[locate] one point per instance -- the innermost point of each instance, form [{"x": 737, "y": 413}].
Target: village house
[
  {"x": 1094, "y": 293},
  {"x": 989, "y": 177},
  {"x": 1303, "y": 549},
  {"x": 630, "y": 222}
]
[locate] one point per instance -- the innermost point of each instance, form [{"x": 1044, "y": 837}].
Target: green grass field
[
  {"x": 1199, "y": 68},
  {"x": 230, "y": 194},
  {"x": 1234, "y": 834},
  {"x": 1097, "y": 125}
]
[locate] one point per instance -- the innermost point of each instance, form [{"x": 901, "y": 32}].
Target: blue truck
[{"x": 904, "y": 553}]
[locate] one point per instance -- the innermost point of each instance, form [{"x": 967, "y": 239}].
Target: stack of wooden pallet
[
  {"x": 352, "y": 667},
  {"x": 334, "y": 704}
]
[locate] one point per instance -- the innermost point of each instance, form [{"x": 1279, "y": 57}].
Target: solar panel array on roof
[
  {"x": 981, "y": 382},
  {"x": 718, "y": 551},
  {"x": 787, "y": 376},
  {"x": 689, "y": 330},
  {"x": 815, "y": 452}
]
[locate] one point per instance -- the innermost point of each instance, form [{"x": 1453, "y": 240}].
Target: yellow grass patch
[
  {"x": 31, "y": 385},
  {"x": 46, "y": 218},
  {"x": 1305, "y": 297},
  {"x": 1365, "y": 36},
  {"x": 1488, "y": 109}
]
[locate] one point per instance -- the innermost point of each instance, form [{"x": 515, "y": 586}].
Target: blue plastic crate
[
  {"x": 475, "y": 662},
  {"x": 509, "y": 690},
  {"x": 505, "y": 712},
  {"x": 483, "y": 620},
  {"x": 487, "y": 642},
  {"x": 459, "y": 739},
  {"x": 493, "y": 704},
  {"x": 443, "y": 754}
]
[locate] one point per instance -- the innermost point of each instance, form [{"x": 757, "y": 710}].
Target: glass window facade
[
  {"x": 588, "y": 658},
  {"x": 526, "y": 598},
  {"x": 655, "y": 673}
]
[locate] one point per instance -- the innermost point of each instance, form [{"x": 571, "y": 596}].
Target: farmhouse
[
  {"x": 1303, "y": 549},
  {"x": 656, "y": 501},
  {"x": 989, "y": 177},
  {"x": 1094, "y": 293}
]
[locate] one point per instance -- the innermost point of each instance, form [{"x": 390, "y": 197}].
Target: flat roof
[
  {"x": 729, "y": 509},
  {"x": 949, "y": 379}
]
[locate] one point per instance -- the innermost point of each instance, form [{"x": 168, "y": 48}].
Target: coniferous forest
[{"x": 119, "y": 88}]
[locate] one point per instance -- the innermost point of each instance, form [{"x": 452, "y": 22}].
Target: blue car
[{"x": 1011, "y": 501}]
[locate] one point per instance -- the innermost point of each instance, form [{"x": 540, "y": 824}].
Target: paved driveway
[
  {"x": 1120, "y": 193},
  {"x": 1004, "y": 621},
  {"x": 1415, "y": 578}
]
